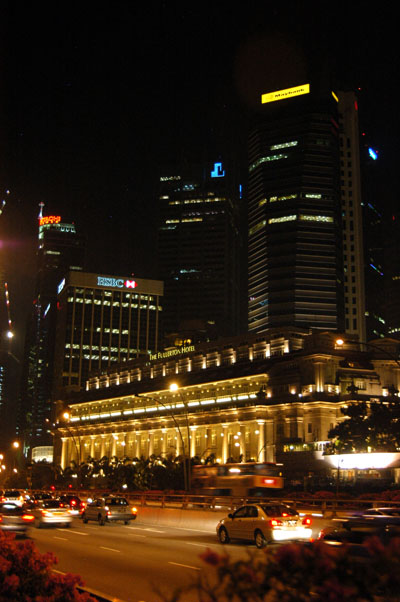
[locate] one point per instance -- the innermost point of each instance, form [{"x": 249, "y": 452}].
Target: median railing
[{"x": 325, "y": 507}]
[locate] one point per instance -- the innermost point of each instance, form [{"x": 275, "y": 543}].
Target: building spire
[{"x": 41, "y": 205}]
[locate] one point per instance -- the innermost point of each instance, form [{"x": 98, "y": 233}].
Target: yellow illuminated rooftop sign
[{"x": 287, "y": 93}]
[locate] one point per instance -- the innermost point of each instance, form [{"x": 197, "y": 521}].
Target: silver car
[
  {"x": 15, "y": 519},
  {"x": 51, "y": 512},
  {"x": 107, "y": 509},
  {"x": 263, "y": 524}
]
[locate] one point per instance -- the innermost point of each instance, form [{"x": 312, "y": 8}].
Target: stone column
[
  {"x": 164, "y": 442},
  {"x": 151, "y": 443},
  {"x": 114, "y": 446},
  {"x": 92, "y": 440},
  {"x": 137, "y": 454},
  {"x": 102, "y": 447},
  {"x": 224, "y": 443},
  {"x": 242, "y": 441},
  {"x": 207, "y": 447},
  {"x": 64, "y": 450},
  {"x": 270, "y": 447},
  {"x": 192, "y": 445},
  {"x": 261, "y": 441}
]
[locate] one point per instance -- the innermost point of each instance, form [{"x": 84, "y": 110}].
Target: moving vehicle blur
[
  {"x": 14, "y": 496},
  {"x": 32, "y": 499},
  {"x": 51, "y": 512},
  {"x": 245, "y": 479},
  {"x": 74, "y": 503},
  {"x": 110, "y": 508},
  {"x": 264, "y": 523},
  {"x": 15, "y": 519}
]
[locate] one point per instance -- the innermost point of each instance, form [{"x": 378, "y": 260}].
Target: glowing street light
[{"x": 174, "y": 387}]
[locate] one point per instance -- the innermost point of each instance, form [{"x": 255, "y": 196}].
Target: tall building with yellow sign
[{"x": 298, "y": 267}]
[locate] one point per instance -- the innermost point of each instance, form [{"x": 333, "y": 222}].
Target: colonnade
[{"x": 253, "y": 439}]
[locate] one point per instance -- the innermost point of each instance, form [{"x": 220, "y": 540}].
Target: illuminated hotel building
[
  {"x": 60, "y": 248},
  {"x": 302, "y": 210},
  {"x": 198, "y": 250},
  {"x": 103, "y": 320},
  {"x": 257, "y": 397}
]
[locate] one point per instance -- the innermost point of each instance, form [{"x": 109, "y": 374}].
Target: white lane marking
[
  {"x": 111, "y": 549},
  {"x": 71, "y": 531},
  {"x": 186, "y": 566},
  {"x": 63, "y": 538},
  {"x": 202, "y": 545},
  {"x": 153, "y": 530}
]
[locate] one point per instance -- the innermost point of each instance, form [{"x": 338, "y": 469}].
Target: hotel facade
[{"x": 249, "y": 398}]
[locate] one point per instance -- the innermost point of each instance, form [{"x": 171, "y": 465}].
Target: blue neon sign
[
  {"x": 218, "y": 172},
  {"x": 373, "y": 154}
]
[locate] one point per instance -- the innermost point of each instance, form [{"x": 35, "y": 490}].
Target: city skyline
[{"x": 86, "y": 126}]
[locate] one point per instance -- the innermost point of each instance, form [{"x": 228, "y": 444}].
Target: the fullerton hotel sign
[{"x": 162, "y": 355}]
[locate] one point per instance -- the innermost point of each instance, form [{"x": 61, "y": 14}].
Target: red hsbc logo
[{"x": 130, "y": 284}]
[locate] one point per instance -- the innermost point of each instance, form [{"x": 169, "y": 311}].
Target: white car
[
  {"x": 14, "y": 496},
  {"x": 263, "y": 524}
]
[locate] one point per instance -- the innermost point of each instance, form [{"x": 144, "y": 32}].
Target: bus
[{"x": 247, "y": 479}]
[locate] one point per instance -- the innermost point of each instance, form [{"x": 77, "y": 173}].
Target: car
[
  {"x": 51, "y": 512},
  {"x": 110, "y": 508},
  {"x": 14, "y": 518},
  {"x": 34, "y": 498},
  {"x": 263, "y": 524},
  {"x": 388, "y": 512},
  {"x": 73, "y": 502},
  {"x": 355, "y": 538},
  {"x": 14, "y": 496}
]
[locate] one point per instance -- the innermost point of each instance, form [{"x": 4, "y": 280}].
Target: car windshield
[
  {"x": 12, "y": 493},
  {"x": 278, "y": 510},
  {"x": 52, "y": 504},
  {"x": 10, "y": 509},
  {"x": 116, "y": 501},
  {"x": 390, "y": 511}
]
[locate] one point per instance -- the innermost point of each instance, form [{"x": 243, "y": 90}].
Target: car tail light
[
  {"x": 2, "y": 499},
  {"x": 307, "y": 521},
  {"x": 73, "y": 502},
  {"x": 134, "y": 510},
  {"x": 45, "y": 513},
  {"x": 1, "y": 519},
  {"x": 83, "y": 505},
  {"x": 108, "y": 512},
  {"x": 269, "y": 481},
  {"x": 274, "y": 522},
  {"x": 28, "y": 517}
]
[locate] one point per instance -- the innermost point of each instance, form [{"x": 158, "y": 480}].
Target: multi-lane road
[{"x": 131, "y": 562}]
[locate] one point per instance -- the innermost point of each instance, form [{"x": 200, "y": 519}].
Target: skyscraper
[
  {"x": 297, "y": 270},
  {"x": 102, "y": 320},
  {"x": 60, "y": 249},
  {"x": 199, "y": 249}
]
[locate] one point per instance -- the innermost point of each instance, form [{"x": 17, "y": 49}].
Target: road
[{"x": 131, "y": 562}]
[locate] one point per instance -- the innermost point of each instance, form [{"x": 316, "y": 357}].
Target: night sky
[{"x": 96, "y": 98}]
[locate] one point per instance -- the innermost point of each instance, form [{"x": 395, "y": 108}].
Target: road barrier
[{"x": 328, "y": 507}]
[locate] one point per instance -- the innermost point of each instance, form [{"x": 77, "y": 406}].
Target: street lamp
[
  {"x": 186, "y": 467},
  {"x": 340, "y": 343},
  {"x": 66, "y": 416},
  {"x": 174, "y": 387}
]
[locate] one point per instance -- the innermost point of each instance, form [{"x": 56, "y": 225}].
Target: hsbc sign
[{"x": 115, "y": 282}]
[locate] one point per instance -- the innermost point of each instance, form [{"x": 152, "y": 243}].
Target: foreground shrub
[
  {"x": 300, "y": 573},
  {"x": 26, "y": 575}
]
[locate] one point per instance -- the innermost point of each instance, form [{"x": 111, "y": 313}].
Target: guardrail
[{"x": 327, "y": 507}]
